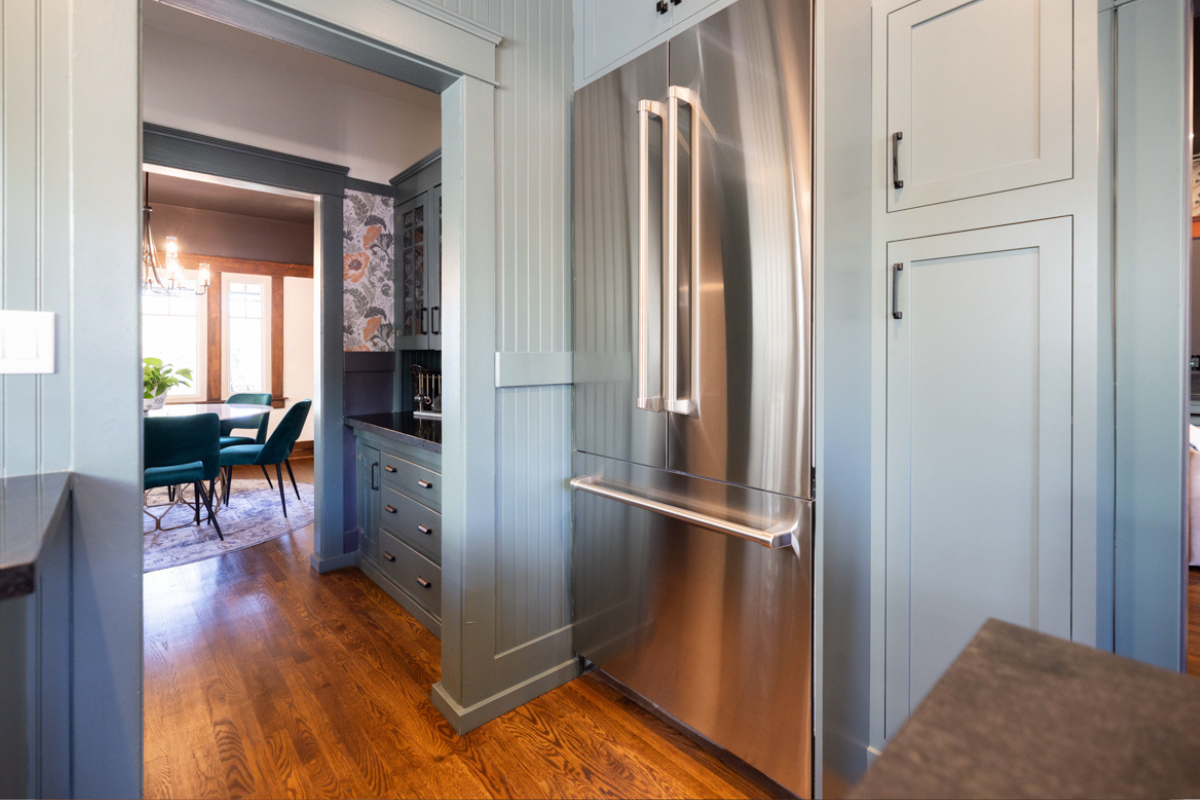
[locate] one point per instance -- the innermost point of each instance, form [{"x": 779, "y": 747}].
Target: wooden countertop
[{"x": 1023, "y": 714}]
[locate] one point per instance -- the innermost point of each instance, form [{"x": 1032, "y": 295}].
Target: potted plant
[{"x": 158, "y": 379}]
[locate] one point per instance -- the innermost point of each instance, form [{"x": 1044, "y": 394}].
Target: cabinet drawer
[
  {"x": 422, "y": 485},
  {"x": 412, "y": 523},
  {"x": 413, "y": 572}
]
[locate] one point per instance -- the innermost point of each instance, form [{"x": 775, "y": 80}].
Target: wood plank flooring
[
  {"x": 1194, "y": 620},
  {"x": 265, "y": 679}
]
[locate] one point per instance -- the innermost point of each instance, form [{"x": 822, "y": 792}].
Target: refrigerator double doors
[{"x": 692, "y": 244}]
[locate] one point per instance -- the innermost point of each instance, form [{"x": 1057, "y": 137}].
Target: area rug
[{"x": 252, "y": 517}]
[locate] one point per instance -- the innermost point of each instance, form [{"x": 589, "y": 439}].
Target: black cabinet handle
[
  {"x": 374, "y": 480},
  {"x": 388, "y": 556},
  {"x": 897, "y": 268},
  {"x": 896, "y": 182},
  {"x": 390, "y": 468},
  {"x": 423, "y": 582},
  {"x": 661, "y": 6},
  {"x": 423, "y": 330},
  {"x": 425, "y": 530},
  {"x": 390, "y": 509},
  {"x": 435, "y": 322}
]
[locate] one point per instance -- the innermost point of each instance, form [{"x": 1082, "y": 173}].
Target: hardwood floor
[
  {"x": 1194, "y": 620},
  {"x": 265, "y": 679}
]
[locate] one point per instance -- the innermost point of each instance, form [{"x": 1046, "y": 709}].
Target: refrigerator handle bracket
[
  {"x": 646, "y": 108},
  {"x": 690, "y": 405}
]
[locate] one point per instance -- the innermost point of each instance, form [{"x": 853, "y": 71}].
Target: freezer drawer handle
[{"x": 780, "y": 536}]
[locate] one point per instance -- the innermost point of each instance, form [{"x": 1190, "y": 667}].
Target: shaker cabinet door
[
  {"x": 978, "y": 445},
  {"x": 412, "y": 253},
  {"x": 614, "y": 28},
  {"x": 979, "y": 98}
]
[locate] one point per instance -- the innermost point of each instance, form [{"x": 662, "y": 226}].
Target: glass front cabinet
[{"x": 419, "y": 256}]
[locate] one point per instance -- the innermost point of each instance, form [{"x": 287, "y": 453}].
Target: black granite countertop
[
  {"x": 403, "y": 427},
  {"x": 1023, "y": 714},
  {"x": 31, "y": 507}
]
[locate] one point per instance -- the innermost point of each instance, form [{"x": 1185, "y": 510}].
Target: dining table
[{"x": 228, "y": 412}]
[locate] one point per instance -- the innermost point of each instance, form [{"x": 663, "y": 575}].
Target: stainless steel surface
[
  {"x": 779, "y": 535},
  {"x": 713, "y": 629},
  {"x": 897, "y": 268},
  {"x": 747, "y": 219},
  {"x": 693, "y": 295},
  {"x": 646, "y": 108},
  {"x": 608, "y": 242},
  {"x": 896, "y": 181}
]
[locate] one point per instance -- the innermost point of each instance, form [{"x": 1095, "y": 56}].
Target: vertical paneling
[{"x": 533, "y": 454}]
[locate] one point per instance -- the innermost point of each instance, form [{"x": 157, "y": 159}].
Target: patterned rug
[{"x": 252, "y": 517}]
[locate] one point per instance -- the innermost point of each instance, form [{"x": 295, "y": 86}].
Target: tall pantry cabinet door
[
  {"x": 978, "y": 98},
  {"x": 978, "y": 445}
]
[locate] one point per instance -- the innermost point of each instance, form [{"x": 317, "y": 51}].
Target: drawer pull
[
  {"x": 390, "y": 509},
  {"x": 388, "y": 556},
  {"x": 389, "y": 468},
  {"x": 424, "y": 583},
  {"x": 424, "y": 484},
  {"x": 425, "y": 529}
]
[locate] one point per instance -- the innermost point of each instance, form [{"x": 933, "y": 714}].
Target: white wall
[
  {"x": 205, "y": 88},
  {"x": 298, "y": 348}
]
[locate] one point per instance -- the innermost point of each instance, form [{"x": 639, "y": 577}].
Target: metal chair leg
[
  {"x": 212, "y": 518},
  {"x": 228, "y": 484},
  {"x": 288, "y": 464},
  {"x": 266, "y": 474},
  {"x": 282, "y": 496},
  {"x": 196, "y": 488}
]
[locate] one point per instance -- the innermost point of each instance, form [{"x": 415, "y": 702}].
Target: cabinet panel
[
  {"x": 412, "y": 255},
  {"x": 979, "y": 98},
  {"x": 978, "y": 445},
  {"x": 416, "y": 575},
  {"x": 419, "y": 483},
  {"x": 614, "y": 28},
  {"x": 412, "y": 523},
  {"x": 368, "y": 482}
]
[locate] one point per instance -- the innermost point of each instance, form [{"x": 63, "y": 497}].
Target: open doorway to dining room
[{"x": 228, "y": 328}]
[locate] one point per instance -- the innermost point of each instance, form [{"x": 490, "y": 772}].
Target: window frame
[
  {"x": 199, "y": 393},
  {"x": 265, "y": 281}
]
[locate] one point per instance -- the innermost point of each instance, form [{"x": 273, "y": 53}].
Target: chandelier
[{"x": 164, "y": 276}]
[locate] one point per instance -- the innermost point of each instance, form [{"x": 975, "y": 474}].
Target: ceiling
[
  {"x": 176, "y": 191},
  {"x": 201, "y": 29}
]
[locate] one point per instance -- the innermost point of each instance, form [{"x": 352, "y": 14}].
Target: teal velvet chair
[
  {"x": 228, "y": 427},
  {"x": 276, "y": 450},
  {"x": 181, "y": 450}
]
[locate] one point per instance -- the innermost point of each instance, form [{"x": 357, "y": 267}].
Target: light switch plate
[{"x": 26, "y": 342}]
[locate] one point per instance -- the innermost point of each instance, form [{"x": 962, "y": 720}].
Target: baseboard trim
[
  {"x": 323, "y": 565},
  {"x": 471, "y": 717}
]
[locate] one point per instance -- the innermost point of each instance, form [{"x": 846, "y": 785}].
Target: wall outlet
[{"x": 26, "y": 342}]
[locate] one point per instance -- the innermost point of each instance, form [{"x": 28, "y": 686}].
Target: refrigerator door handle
[
  {"x": 774, "y": 538},
  {"x": 690, "y": 405},
  {"x": 646, "y": 108}
]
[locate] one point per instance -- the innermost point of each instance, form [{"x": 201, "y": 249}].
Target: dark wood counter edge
[
  {"x": 19, "y": 579},
  {"x": 395, "y": 435}
]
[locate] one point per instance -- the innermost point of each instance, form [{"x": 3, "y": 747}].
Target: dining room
[{"x": 228, "y": 364}]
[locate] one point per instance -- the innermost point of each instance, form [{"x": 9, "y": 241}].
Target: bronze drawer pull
[
  {"x": 426, "y": 584},
  {"x": 425, "y": 484},
  {"x": 388, "y": 556},
  {"x": 390, "y": 509},
  {"x": 389, "y": 468},
  {"x": 425, "y": 530}
]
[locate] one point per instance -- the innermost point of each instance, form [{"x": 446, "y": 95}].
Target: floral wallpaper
[{"x": 367, "y": 257}]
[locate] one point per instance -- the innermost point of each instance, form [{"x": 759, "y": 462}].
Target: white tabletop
[{"x": 226, "y": 411}]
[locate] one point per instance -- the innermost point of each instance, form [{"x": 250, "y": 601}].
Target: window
[
  {"x": 174, "y": 329},
  {"x": 247, "y": 335}
]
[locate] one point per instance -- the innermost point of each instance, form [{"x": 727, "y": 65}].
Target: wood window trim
[
  {"x": 277, "y": 271},
  {"x": 1196, "y": 227}
]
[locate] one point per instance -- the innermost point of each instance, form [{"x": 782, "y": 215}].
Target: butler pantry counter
[
  {"x": 398, "y": 479},
  {"x": 31, "y": 508}
]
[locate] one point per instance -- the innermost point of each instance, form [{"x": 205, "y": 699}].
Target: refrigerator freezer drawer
[{"x": 714, "y": 629}]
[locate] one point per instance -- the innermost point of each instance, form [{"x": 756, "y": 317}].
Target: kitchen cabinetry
[
  {"x": 978, "y": 98},
  {"x": 418, "y": 268},
  {"x": 400, "y": 523},
  {"x": 978, "y": 514},
  {"x": 608, "y": 32}
]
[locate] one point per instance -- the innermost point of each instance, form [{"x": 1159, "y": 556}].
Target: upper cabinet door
[
  {"x": 412, "y": 306},
  {"x": 615, "y": 28},
  {"x": 979, "y": 98}
]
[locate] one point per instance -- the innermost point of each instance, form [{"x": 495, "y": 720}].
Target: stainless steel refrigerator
[{"x": 692, "y": 551}]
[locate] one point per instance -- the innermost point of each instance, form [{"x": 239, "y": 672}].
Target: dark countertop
[
  {"x": 1023, "y": 714},
  {"x": 31, "y": 506},
  {"x": 423, "y": 433}
]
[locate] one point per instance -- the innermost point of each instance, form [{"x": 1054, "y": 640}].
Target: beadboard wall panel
[{"x": 533, "y": 514}]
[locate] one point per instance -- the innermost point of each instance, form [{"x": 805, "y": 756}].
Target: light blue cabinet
[
  {"x": 979, "y": 445},
  {"x": 609, "y": 32}
]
